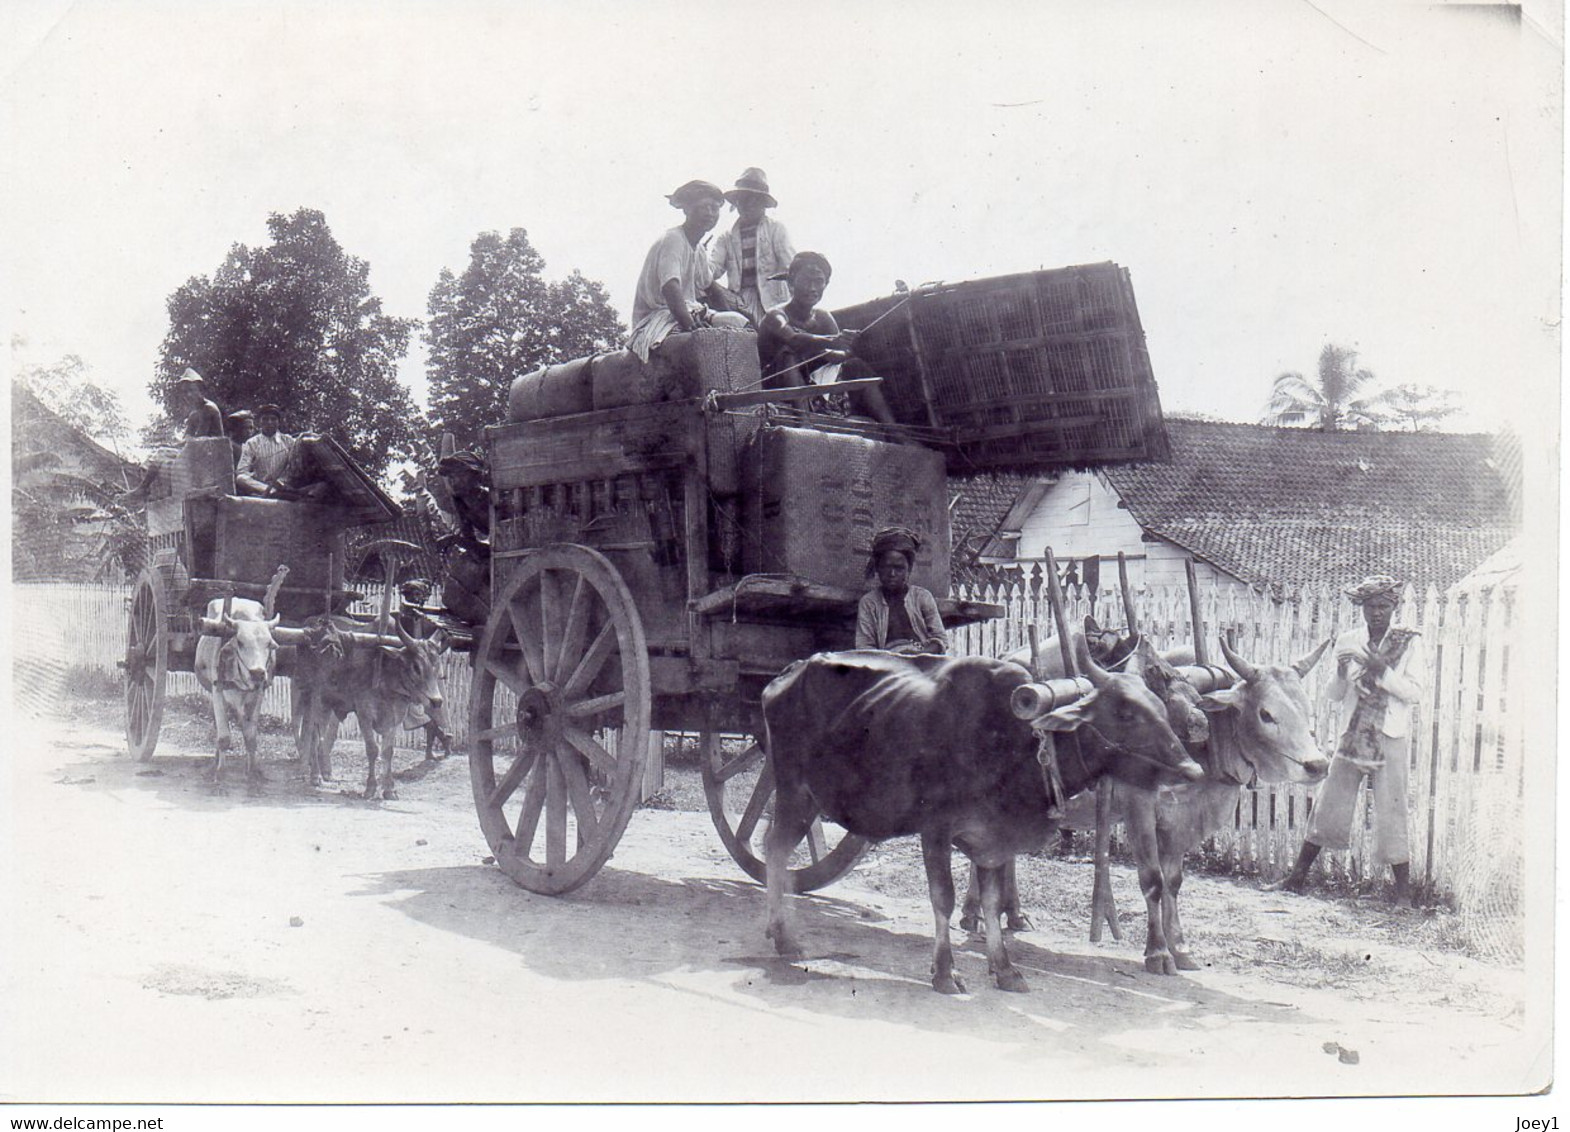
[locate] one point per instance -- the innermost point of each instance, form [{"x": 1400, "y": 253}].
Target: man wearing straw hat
[
  {"x": 676, "y": 271},
  {"x": 756, "y": 250},
  {"x": 1380, "y": 674},
  {"x": 202, "y": 416}
]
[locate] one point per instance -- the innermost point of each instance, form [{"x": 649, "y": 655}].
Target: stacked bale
[{"x": 813, "y": 501}]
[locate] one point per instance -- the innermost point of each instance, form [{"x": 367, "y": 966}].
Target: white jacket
[
  {"x": 1405, "y": 682},
  {"x": 774, "y": 252}
]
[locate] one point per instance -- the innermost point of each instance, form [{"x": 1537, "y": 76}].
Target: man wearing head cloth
[
  {"x": 1381, "y": 672},
  {"x": 676, "y": 271},
  {"x": 894, "y": 615},
  {"x": 755, "y": 253},
  {"x": 801, "y": 344}
]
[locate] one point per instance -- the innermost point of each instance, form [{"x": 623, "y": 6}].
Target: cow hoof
[
  {"x": 968, "y": 922},
  {"x": 370, "y": 794},
  {"x": 948, "y": 984},
  {"x": 1011, "y": 980},
  {"x": 1019, "y": 923},
  {"x": 389, "y": 794},
  {"x": 1160, "y": 964},
  {"x": 1185, "y": 962}
]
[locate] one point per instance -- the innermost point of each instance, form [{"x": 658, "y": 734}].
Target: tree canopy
[
  {"x": 500, "y": 319},
  {"x": 1331, "y": 401},
  {"x": 66, "y": 387},
  {"x": 295, "y": 323}
]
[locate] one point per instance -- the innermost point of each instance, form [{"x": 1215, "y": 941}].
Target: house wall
[{"x": 1082, "y": 516}]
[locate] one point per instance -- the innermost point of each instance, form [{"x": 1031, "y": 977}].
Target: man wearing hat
[
  {"x": 264, "y": 457},
  {"x": 895, "y": 615},
  {"x": 755, "y": 250},
  {"x": 1381, "y": 672},
  {"x": 676, "y": 271},
  {"x": 202, "y": 416}
]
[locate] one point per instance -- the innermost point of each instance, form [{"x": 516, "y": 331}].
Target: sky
[{"x": 1274, "y": 175}]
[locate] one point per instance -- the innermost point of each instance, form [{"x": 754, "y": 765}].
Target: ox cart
[
  {"x": 667, "y": 537},
  {"x": 206, "y": 542}
]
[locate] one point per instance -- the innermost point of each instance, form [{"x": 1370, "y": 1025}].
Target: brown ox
[
  {"x": 380, "y": 685},
  {"x": 888, "y": 746}
]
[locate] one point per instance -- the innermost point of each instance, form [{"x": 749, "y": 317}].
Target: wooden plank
[{"x": 725, "y": 401}]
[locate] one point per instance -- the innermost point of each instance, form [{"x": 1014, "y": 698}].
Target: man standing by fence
[{"x": 1380, "y": 674}]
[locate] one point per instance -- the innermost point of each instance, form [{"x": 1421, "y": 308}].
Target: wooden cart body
[{"x": 205, "y": 542}]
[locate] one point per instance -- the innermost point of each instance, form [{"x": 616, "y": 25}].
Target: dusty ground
[{"x": 170, "y": 942}]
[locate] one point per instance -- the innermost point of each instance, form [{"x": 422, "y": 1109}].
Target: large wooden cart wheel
[
  {"x": 559, "y": 718},
  {"x": 146, "y": 664},
  {"x": 738, "y": 781}
]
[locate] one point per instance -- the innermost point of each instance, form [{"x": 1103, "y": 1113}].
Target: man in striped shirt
[{"x": 264, "y": 456}]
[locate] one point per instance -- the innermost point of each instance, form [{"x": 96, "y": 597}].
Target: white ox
[{"x": 235, "y": 668}]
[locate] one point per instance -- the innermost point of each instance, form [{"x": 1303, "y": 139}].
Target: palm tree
[{"x": 1330, "y": 403}]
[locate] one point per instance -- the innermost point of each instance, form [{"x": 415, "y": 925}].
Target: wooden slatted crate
[{"x": 1040, "y": 370}]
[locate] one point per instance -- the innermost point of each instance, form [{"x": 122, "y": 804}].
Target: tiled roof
[
  {"x": 983, "y": 499},
  {"x": 1287, "y": 508}
]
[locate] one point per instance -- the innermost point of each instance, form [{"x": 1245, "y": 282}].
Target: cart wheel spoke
[
  {"x": 573, "y": 631},
  {"x": 598, "y": 704},
  {"x": 508, "y": 676},
  {"x": 589, "y": 747},
  {"x": 533, "y": 803},
  {"x": 581, "y": 797},
  {"x": 738, "y": 789},
  {"x": 555, "y": 815},
  {"x": 762, "y": 793},
  {"x": 550, "y": 625},
  {"x": 509, "y": 781},
  {"x": 748, "y": 759},
  {"x": 491, "y": 734},
  {"x": 528, "y": 644},
  {"x": 592, "y": 661},
  {"x": 817, "y": 845}
]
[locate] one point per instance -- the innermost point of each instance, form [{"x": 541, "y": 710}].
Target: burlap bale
[
  {"x": 683, "y": 366},
  {"x": 554, "y": 391},
  {"x": 813, "y": 500}
]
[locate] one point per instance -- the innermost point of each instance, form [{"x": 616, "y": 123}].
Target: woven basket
[{"x": 1046, "y": 369}]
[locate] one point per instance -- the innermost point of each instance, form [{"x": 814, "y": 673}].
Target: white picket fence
[
  {"x": 1467, "y": 751},
  {"x": 1468, "y": 746}
]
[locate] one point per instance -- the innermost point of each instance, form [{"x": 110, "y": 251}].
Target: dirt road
[{"x": 171, "y": 943}]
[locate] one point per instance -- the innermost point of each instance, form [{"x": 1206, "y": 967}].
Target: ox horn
[
  {"x": 408, "y": 641},
  {"x": 1097, "y": 675},
  {"x": 1306, "y": 665},
  {"x": 1242, "y": 667}
]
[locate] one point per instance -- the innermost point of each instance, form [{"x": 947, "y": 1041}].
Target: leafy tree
[
  {"x": 295, "y": 323},
  {"x": 499, "y": 319},
  {"x": 68, "y": 389},
  {"x": 1417, "y": 408},
  {"x": 1331, "y": 402}
]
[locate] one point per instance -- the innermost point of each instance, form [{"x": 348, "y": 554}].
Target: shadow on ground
[{"x": 627, "y": 925}]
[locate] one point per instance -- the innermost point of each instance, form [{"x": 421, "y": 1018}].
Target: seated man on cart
[
  {"x": 676, "y": 271},
  {"x": 896, "y": 616},
  {"x": 800, "y": 344}
]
